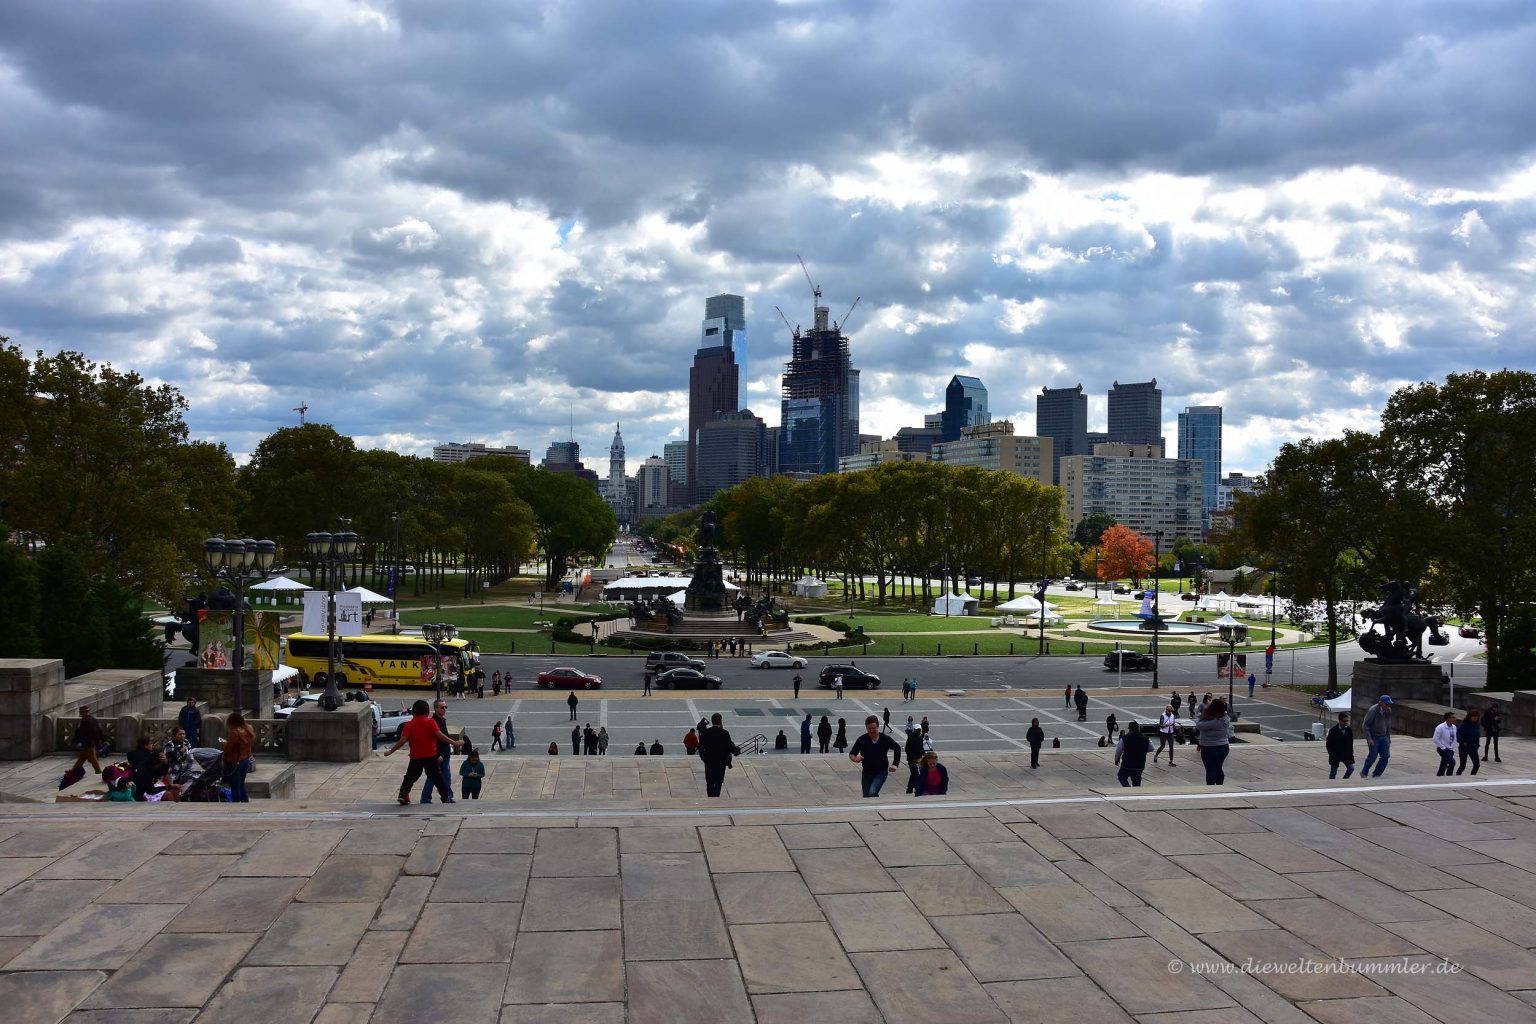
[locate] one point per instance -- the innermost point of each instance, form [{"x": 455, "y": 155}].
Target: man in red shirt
[{"x": 423, "y": 734}]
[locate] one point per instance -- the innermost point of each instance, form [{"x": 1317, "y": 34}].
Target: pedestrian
[
  {"x": 511, "y": 740},
  {"x": 1191, "y": 706},
  {"x": 805, "y": 735},
  {"x": 716, "y": 750},
  {"x": 471, "y": 775},
  {"x": 1205, "y": 702},
  {"x": 1110, "y": 726},
  {"x": 1341, "y": 747},
  {"x": 1493, "y": 724},
  {"x": 1035, "y": 737},
  {"x": 1069, "y": 696},
  {"x": 1165, "y": 723},
  {"x": 639, "y": 748},
  {"x": 89, "y": 737},
  {"x": 914, "y": 757},
  {"x": 179, "y": 763},
  {"x": 924, "y": 726},
  {"x": 571, "y": 703},
  {"x": 1214, "y": 734},
  {"x": 824, "y": 734},
  {"x": 797, "y": 682},
  {"x": 781, "y": 742},
  {"x": 646, "y": 679},
  {"x": 1445, "y": 744},
  {"x": 575, "y": 739},
  {"x": 837, "y": 685},
  {"x": 602, "y": 741},
  {"x": 1469, "y": 736},
  {"x": 932, "y": 777},
  {"x": 911, "y": 726},
  {"x": 1253, "y": 681},
  {"x": 1377, "y": 727},
  {"x": 149, "y": 766},
  {"x": 870, "y": 752},
  {"x": 496, "y": 682},
  {"x": 906, "y": 688},
  {"x": 422, "y": 733},
  {"x": 1131, "y": 755},
  {"x": 444, "y": 753},
  {"x": 841, "y": 743},
  {"x": 885, "y": 717},
  {"x": 589, "y": 740},
  {"x": 699, "y": 729},
  {"x": 190, "y": 718},
  {"x": 914, "y": 688},
  {"x": 1176, "y": 703},
  {"x": 1081, "y": 700},
  {"x": 239, "y": 743},
  {"x": 656, "y": 748},
  {"x": 690, "y": 742},
  {"x": 496, "y": 736}
]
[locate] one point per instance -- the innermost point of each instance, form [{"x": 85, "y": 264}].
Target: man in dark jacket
[
  {"x": 716, "y": 751},
  {"x": 1131, "y": 755},
  {"x": 571, "y": 703},
  {"x": 1081, "y": 700},
  {"x": 805, "y": 735},
  {"x": 1341, "y": 747},
  {"x": 88, "y": 736},
  {"x": 191, "y": 720},
  {"x": 656, "y": 748},
  {"x": 914, "y": 757},
  {"x": 1035, "y": 737},
  {"x": 824, "y": 734},
  {"x": 444, "y": 752},
  {"x": 576, "y": 745},
  {"x": 870, "y": 751}
]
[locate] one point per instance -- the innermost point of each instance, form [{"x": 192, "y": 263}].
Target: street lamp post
[
  {"x": 238, "y": 561},
  {"x": 332, "y": 551},
  {"x": 394, "y": 578},
  {"x": 435, "y": 633},
  {"x": 1274, "y": 594},
  {"x": 1157, "y": 621},
  {"x": 1231, "y": 662},
  {"x": 946, "y": 570},
  {"x": 1045, "y": 579},
  {"x": 1095, "y": 572}
]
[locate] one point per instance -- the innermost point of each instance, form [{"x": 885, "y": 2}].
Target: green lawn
[
  {"x": 491, "y": 616},
  {"x": 526, "y": 643}
]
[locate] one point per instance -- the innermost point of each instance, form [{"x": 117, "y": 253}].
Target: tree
[
  {"x": 18, "y": 602},
  {"x": 1125, "y": 553},
  {"x": 72, "y": 625},
  {"x": 569, "y": 519},
  {"x": 1091, "y": 527},
  {"x": 300, "y": 479}
]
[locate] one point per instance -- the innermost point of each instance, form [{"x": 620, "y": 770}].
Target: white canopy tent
[
  {"x": 1227, "y": 620},
  {"x": 368, "y": 596},
  {"x": 1027, "y": 603},
  {"x": 1107, "y": 602},
  {"x": 956, "y": 604},
  {"x": 1343, "y": 702},
  {"x": 809, "y": 586},
  {"x": 1215, "y": 603},
  {"x": 276, "y": 587},
  {"x": 631, "y": 588}
]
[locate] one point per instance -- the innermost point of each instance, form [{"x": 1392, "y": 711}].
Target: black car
[
  {"x": 1128, "y": 661},
  {"x": 1073, "y": 585},
  {"x": 852, "y": 676},
  {"x": 658, "y": 662},
  {"x": 687, "y": 679}
]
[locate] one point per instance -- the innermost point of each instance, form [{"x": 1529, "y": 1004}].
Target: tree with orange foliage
[{"x": 1124, "y": 552}]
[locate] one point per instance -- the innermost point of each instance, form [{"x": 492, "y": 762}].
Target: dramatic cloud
[{"x": 437, "y": 220}]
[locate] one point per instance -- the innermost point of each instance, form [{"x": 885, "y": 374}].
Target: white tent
[
  {"x": 1215, "y": 603},
  {"x": 369, "y": 597},
  {"x": 809, "y": 586},
  {"x": 1340, "y": 703},
  {"x": 631, "y": 587},
  {"x": 1228, "y": 620},
  {"x": 1027, "y": 603},
  {"x": 279, "y": 583},
  {"x": 1107, "y": 602},
  {"x": 680, "y": 598},
  {"x": 956, "y": 604}
]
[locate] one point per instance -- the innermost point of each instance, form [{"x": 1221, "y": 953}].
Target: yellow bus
[{"x": 380, "y": 659}]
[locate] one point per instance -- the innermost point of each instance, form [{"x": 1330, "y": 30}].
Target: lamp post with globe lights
[
  {"x": 435, "y": 633},
  {"x": 332, "y": 551},
  {"x": 236, "y": 561}
]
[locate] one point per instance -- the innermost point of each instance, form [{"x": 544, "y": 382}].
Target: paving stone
[
  {"x": 52, "y": 843},
  {"x": 658, "y": 988},
  {"x": 950, "y": 889},
  {"x": 574, "y": 852},
  {"x": 665, "y": 876},
  {"x": 281, "y": 995},
  {"x": 1379, "y": 1010},
  {"x": 745, "y": 848},
  {"x": 1003, "y": 947},
  {"x": 1495, "y": 912},
  {"x": 1515, "y": 884},
  {"x": 1097, "y": 882},
  {"x": 1279, "y": 854},
  {"x": 43, "y": 997},
  {"x": 1239, "y": 876},
  {"x": 463, "y": 933},
  {"x": 985, "y": 829},
  {"x": 15, "y": 870},
  {"x": 1281, "y": 949},
  {"x": 491, "y": 878},
  {"x": 571, "y": 1013},
  {"x": 13, "y": 946},
  {"x": 801, "y": 957},
  {"x": 287, "y": 854},
  {"x": 237, "y": 905},
  {"x": 1214, "y": 822},
  {"x": 1449, "y": 997},
  {"x": 352, "y": 879},
  {"x": 1225, "y": 1015},
  {"x": 924, "y": 986},
  {"x": 820, "y": 836},
  {"x": 496, "y": 840},
  {"x": 815, "y": 1008},
  {"x": 1419, "y": 846},
  {"x": 1347, "y": 816},
  {"x": 904, "y": 843},
  {"x": 402, "y": 906},
  {"x": 1511, "y": 851},
  {"x": 1495, "y": 960},
  {"x": 165, "y": 879},
  {"x": 364, "y": 977},
  {"x": 1338, "y": 934},
  {"x": 1163, "y": 833},
  {"x": 1042, "y": 842},
  {"x": 769, "y": 897},
  {"x": 1192, "y": 904},
  {"x": 1050, "y": 1000},
  {"x": 113, "y": 855},
  {"x": 1077, "y": 824},
  {"x": 568, "y": 967},
  {"x": 428, "y": 856},
  {"x": 196, "y": 842},
  {"x": 661, "y": 839},
  {"x": 1067, "y": 912},
  {"x": 842, "y": 869},
  {"x": 1134, "y": 972},
  {"x": 313, "y": 933},
  {"x": 566, "y": 904},
  {"x": 1126, "y": 859},
  {"x": 99, "y": 936},
  {"x": 345, "y": 1013},
  {"x": 37, "y": 907},
  {"x": 159, "y": 1015},
  {"x": 878, "y": 921},
  {"x": 173, "y": 970},
  {"x": 386, "y": 840},
  {"x": 1003, "y": 864},
  {"x": 674, "y": 930},
  {"x": 1432, "y": 819},
  {"x": 1375, "y": 901}
]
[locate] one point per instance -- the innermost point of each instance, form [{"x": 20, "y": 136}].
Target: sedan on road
[
  {"x": 776, "y": 659},
  {"x": 1128, "y": 661},
  {"x": 571, "y": 677},
  {"x": 687, "y": 679},
  {"x": 852, "y": 676}
]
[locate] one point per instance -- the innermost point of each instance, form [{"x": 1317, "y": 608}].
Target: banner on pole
[
  {"x": 1231, "y": 666},
  {"x": 349, "y": 613}
]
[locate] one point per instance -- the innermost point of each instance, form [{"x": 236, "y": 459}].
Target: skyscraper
[
  {"x": 965, "y": 405},
  {"x": 1200, "y": 438},
  {"x": 727, "y": 316},
  {"x": 676, "y": 455},
  {"x": 1061, "y": 414},
  {"x": 714, "y": 382},
  {"x": 819, "y": 412},
  {"x": 1136, "y": 413},
  {"x": 562, "y": 453},
  {"x": 730, "y": 450},
  {"x": 652, "y": 480}
]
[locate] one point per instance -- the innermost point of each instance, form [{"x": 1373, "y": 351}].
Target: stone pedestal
[
  {"x": 344, "y": 735},
  {"x": 706, "y": 591},
  {"x": 1412, "y": 680},
  {"x": 29, "y": 689},
  {"x": 216, "y": 688}
]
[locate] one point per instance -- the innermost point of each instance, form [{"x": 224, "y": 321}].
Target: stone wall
[
  {"x": 344, "y": 735},
  {"x": 34, "y": 696},
  {"x": 216, "y": 688}
]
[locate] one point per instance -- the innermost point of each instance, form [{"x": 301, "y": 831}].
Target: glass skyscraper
[
  {"x": 1061, "y": 414},
  {"x": 819, "y": 411},
  {"x": 965, "y": 405},
  {"x": 1200, "y": 438}
]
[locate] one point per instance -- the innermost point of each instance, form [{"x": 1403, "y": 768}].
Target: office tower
[
  {"x": 819, "y": 412},
  {"x": 1234, "y": 484},
  {"x": 1200, "y": 438},
  {"x": 675, "y": 453},
  {"x": 770, "y": 451},
  {"x": 995, "y": 446},
  {"x": 729, "y": 450},
  {"x": 874, "y": 454},
  {"x": 562, "y": 453},
  {"x": 1061, "y": 414},
  {"x": 651, "y": 481},
  {"x": 714, "y": 382},
  {"x": 965, "y": 405},
  {"x": 726, "y": 316},
  {"x": 918, "y": 439},
  {"x": 1136, "y": 413},
  {"x": 454, "y": 452},
  {"x": 1136, "y": 486}
]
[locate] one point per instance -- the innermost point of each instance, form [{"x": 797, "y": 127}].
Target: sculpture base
[{"x": 706, "y": 591}]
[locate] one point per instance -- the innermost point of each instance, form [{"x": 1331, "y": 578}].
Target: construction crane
[
  {"x": 843, "y": 324},
  {"x": 793, "y": 331},
  {"x": 815, "y": 289}
]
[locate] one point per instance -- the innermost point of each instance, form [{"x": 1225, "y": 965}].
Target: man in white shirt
[
  {"x": 1165, "y": 735},
  {"x": 1445, "y": 744}
]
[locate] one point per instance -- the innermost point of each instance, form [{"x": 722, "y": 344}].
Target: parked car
[
  {"x": 1074, "y": 585},
  {"x": 852, "y": 676},
  {"x": 1128, "y": 661},
  {"x": 1187, "y": 596},
  {"x": 776, "y": 659},
  {"x": 687, "y": 679},
  {"x": 574, "y": 678},
  {"x": 1121, "y": 588},
  {"x": 1470, "y": 632},
  {"x": 658, "y": 662}
]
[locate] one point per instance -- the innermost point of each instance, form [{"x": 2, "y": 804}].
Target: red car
[
  {"x": 574, "y": 678},
  {"x": 1470, "y": 632}
]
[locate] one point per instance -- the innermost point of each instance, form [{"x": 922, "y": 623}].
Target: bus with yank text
[{"x": 383, "y": 660}]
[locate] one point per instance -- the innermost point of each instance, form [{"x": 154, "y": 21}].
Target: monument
[
  {"x": 706, "y": 591},
  {"x": 1398, "y": 665}
]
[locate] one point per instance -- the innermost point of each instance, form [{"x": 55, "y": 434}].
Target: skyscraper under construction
[{"x": 820, "y": 406}]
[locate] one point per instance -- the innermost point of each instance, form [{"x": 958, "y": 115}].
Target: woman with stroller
[{"x": 239, "y": 743}]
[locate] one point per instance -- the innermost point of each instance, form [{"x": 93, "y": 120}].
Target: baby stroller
[{"x": 208, "y": 785}]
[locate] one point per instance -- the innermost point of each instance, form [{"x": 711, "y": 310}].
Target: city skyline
[{"x": 1287, "y": 212}]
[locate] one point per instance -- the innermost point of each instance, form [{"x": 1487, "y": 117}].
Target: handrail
[{"x": 756, "y": 745}]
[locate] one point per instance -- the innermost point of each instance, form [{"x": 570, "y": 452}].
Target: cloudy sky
[{"x": 454, "y": 220}]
